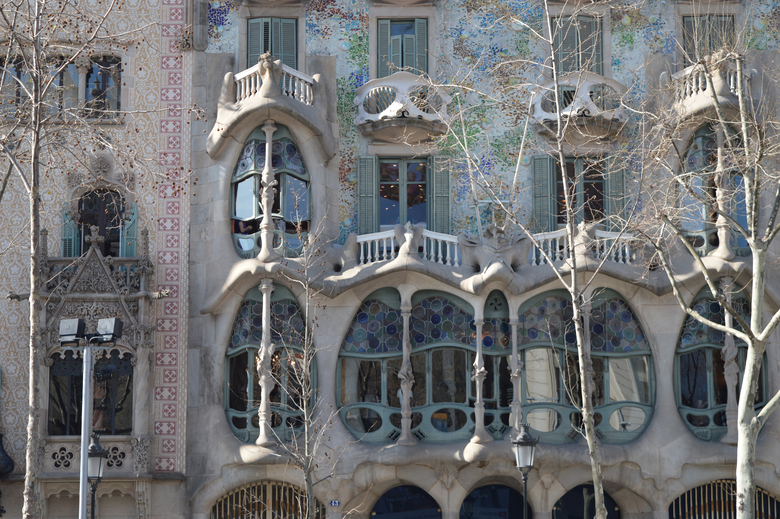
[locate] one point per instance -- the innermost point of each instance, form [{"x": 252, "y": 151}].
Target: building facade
[{"x": 376, "y": 303}]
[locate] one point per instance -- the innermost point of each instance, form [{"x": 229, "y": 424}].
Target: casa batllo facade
[{"x": 389, "y": 277}]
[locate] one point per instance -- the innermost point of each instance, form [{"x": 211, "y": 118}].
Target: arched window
[
  {"x": 266, "y": 500},
  {"x": 407, "y": 502},
  {"x": 719, "y": 499},
  {"x": 578, "y": 503},
  {"x": 112, "y": 393},
  {"x": 291, "y": 211},
  {"x": 494, "y": 501},
  {"x": 701, "y": 159},
  {"x": 104, "y": 208},
  {"x": 623, "y": 385},
  {"x": 242, "y": 392},
  {"x": 701, "y": 366}
]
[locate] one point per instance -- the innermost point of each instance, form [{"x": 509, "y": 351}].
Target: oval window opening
[
  {"x": 627, "y": 418},
  {"x": 544, "y": 420},
  {"x": 448, "y": 420},
  {"x": 698, "y": 420}
]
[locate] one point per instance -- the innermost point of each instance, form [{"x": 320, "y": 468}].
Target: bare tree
[{"x": 712, "y": 193}]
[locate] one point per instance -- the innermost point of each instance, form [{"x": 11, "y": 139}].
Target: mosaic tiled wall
[
  {"x": 472, "y": 40},
  {"x": 157, "y": 95}
]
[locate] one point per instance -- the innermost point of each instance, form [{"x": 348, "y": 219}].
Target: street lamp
[
  {"x": 524, "y": 446},
  {"x": 95, "y": 456},
  {"x": 72, "y": 331}
]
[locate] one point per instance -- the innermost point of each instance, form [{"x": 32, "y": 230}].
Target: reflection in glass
[
  {"x": 693, "y": 379},
  {"x": 629, "y": 380},
  {"x": 448, "y": 420},
  {"x": 448, "y": 375},
  {"x": 627, "y": 418},
  {"x": 543, "y": 420},
  {"x": 244, "y": 201},
  {"x": 541, "y": 375}
]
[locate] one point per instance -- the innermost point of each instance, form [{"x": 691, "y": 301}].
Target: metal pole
[
  {"x": 94, "y": 488},
  {"x": 525, "y": 493},
  {"x": 86, "y": 400}
]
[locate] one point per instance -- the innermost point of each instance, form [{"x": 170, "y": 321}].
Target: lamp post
[
  {"x": 95, "y": 456},
  {"x": 72, "y": 331},
  {"x": 524, "y": 446}
]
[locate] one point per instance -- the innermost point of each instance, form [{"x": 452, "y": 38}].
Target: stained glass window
[
  {"x": 437, "y": 319},
  {"x": 377, "y": 328}
]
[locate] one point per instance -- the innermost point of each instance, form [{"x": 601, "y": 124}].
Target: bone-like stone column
[
  {"x": 515, "y": 369},
  {"x": 723, "y": 196},
  {"x": 264, "y": 374},
  {"x": 729, "y": 355},
  {"x": 268, "y": 182},
  {"x": 481, "y": 435},
  {"x": 407, "y": 381}
]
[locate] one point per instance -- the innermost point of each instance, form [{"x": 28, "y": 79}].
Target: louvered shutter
[
  {"x": 566, "y": 45},
  {"x": 439, "y": 172},
  {"x": 614, "y": 194},
  {"x": 256, "y": 36},
  {"x": 544, "y": 196},
  {"x": 590, "y": 44},
  {"x": 421, "y": 35},
  {"x": 71, "y": 242},
  {"x": 129, "y": 233},
  {"x": 396, "y": 55},
  {"x": 690, "y": 37},
  {"x": 409, "y": 52},
  {"x": 368, "y": 220},
  {"x": 287, "y": 47},
  {"x": 721, "y": 30},
  {"x": 383, "y": 44}
]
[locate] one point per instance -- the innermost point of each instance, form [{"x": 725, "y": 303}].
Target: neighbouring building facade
[{"x": 436, "y": 330}]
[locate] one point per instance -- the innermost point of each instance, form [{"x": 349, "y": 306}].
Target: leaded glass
[
  {"x": 377, "y": 328},
  {"x": 496, "y": 335},
  {"x": 614, "y": 328},
  {"x": 286, "y": 323},
  {"x": 549, "y": 319},
  {"x": 696, "y": 332},
  {"x": 437, "y": 319}
]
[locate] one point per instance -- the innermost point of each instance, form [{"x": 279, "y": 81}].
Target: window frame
[
  {"x": 298, "y": 13},
  {"x": 75, "y": 232},
  {"x": 596, "y": 65},
  {"x": 397, "y": 60},
  {"x": 387, "y": 12},
  {"x": 269, "y": 26},
  {"x": 601, "y": 12},
  {"x": 682, "y": 9}
]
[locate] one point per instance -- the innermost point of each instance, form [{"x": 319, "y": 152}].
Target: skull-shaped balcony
[
  {"x": 590, "y": 107},
  {"x": 402, "y": 107},
  {"x": 691, "y": 92}
]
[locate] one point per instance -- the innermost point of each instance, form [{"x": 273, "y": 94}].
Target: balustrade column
[
  {"x": 407, "y": 381},
  {"x": 481, "y": 435},
  {"x": 268, "y": 181},
  {"x": 729, "y": 354},
  {"x": 264, "y": 370},
  {"x": 723, "y": 192},
  {"x": 515, "y": 370}
]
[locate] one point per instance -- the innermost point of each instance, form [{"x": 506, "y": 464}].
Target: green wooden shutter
[
  {"x": 129, "y": 233},
  {"x": 383, "y": 44},
  {"x": 396, "y": 53},
  {"x": 287, "y": 49},
  {"x": 690, "y": 36},
  {"x": 441, "y": 193},
  {"x": 614, "y": 194},
  {"x": 590, "y": 44},
  {"x": 368, "y": 220},
  {"x": 544, "y": 193},
  {"x": 256, "y": 36},
  {"x": 409, "y": 52},
  {"x": 71, "y": 241},
  {"x": 421, "y": 35},
  {"x": 566, "y": 45}
]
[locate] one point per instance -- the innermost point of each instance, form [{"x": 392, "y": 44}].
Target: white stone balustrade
[
  {"x": 400, "y": 95},
  {"x": 554, "y": 244},
  {"x": 440, "y": 248},
  {"x": 294, "y": 84},
  {"x": 582, "y": 94},
  {"x": 615, "y": 246},
  {"x": 433, "y": 246},
  {"x": 378, "y": 246}
]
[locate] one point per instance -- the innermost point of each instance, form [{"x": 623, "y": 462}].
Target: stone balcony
[
  {"x": 591, "y": 106},
  {"x": 402, "y": 107},
  {"x": 691, "y": 94}
]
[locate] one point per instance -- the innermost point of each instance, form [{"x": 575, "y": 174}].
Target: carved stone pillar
[
  {"x": 264, "y": 369},
  {"x": 481, "y": 435},
  {"x": 407, "y": 381},
  {"x": 515, "y": 369},
  {"x": 141, "y": 391},
  {"x": 723, "y": 190},
  {"x": 83, "y": 66},
  {"x": 268, "y": 181},
  {"x": 729, "y": 355}
]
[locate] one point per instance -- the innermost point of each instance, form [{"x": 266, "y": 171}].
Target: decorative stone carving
[
  {"x": 447, "y": 473},
  {"x": 116, "y": 457},
  {"x": 140, "y": 448},
  {"x": 101, "y": 167},
  {"x": 271, "y": 74},
  {"x": 143, "y": 499}
]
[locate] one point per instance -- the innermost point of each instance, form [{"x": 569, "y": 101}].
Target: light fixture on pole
[
  {"x": 96, "y": 455},
  {"x": 524, "y": 446},
  {"x": 71, "y": 335}
]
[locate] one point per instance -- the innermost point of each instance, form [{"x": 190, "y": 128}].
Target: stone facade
[{"x": 197, "y": 277}]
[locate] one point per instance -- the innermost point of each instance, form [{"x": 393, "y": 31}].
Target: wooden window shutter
[
  {"x": 689, "y": 37},
  {"x": 396, "y": 55},
  {"x": 383, "y": 44},
  {"x": 71, "y": 242},
  {"x": 256, "y": 36},
  {"x": 591, "y": 45},
  {"x": 421, "y": 34},
  {"x": 614, "y": 194},
  {"x": 566, "y": 52},
  {"x": 439, "y": 171},
  {"x": 287, "y": 48},
  {"x": 409, "y": 52},
  {"x": 544, "y": 196},
  {"x": 129, "y": 234},
  {"x": 368, "y": 219}
]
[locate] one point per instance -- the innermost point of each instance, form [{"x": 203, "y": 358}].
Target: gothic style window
[
  {"x": 112, "y": 393},
  {"x": 242, "y": 392},
  {"x": 702, "y": 363},
  {"x": 103, "y": 87},
  {"x": 623, "y": 394},
  {"x": 291, "y": 211},
  {"x": 104, "y": 208}
]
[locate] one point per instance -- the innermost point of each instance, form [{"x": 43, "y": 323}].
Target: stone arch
[{"x": 710, "y": 500}]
